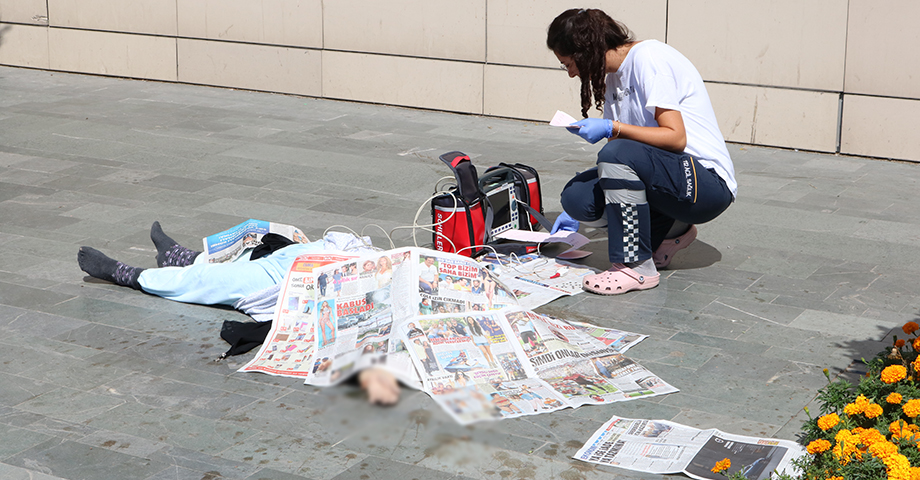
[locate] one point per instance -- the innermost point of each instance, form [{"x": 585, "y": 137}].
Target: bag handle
[{"x": 465, "y": 173}]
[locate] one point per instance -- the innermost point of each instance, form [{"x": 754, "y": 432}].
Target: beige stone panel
[
  {"x": 882, "y": 53},
  {"x": 256, "y": 67},
  {"x": 787, "y": 43},
  {"x": 529, "y": 93},
  {"x": 296, "y": 23},
  {"x": 411, "y": 82},
  {"x": 116, "y": 54},
  {"x": 880, "y": 127},
  {"x": 24, "y": 11},
  {"x": 129, "y": 16},
  {"x": 447, "y": 29},
  {"x": 776, "y": 116},
  {"x": 517, "y": 28},
  {"x": 24, "y": 45}
]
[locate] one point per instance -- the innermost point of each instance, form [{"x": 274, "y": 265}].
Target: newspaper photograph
[
  {"x": 450, "y": 283},
  {"x": 229, "y": 245},
  {"x": 663, "y": 447},
  {"x": 289, "y": 346}
]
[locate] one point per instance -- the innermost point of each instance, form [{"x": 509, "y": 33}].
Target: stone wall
[{"x": 823, "y": 75}]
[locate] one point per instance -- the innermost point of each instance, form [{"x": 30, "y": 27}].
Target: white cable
[
  {"x": 427, "y": 227},
  {"x": 392, "y": 245}
]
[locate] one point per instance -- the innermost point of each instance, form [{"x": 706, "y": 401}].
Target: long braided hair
[{"x": 585, "y": 35}]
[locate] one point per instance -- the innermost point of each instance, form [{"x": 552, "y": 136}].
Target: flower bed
[{"x": 869, "y": 431}]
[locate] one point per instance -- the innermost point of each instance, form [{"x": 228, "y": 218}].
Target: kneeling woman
[{"x": 665, "y": 167}]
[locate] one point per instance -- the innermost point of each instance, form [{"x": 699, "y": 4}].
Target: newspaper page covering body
[
  {"x": 472, "y": 368},
  {"x": 663, "y": 447},
  {"x": 449, "y": 283},
  {"x": 229, "y": 245},
  {"x": 517, "y": 362},
  {"x": 289, "y": 346},
  {"x": 577, "y": 365},
  {"x": 361, "y": 300},
  {"x": 358, "y": 302}
]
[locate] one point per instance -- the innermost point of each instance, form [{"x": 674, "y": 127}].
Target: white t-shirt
[
  {"x": 654, "y": 74},
  {"x": 428, "y": 273}
]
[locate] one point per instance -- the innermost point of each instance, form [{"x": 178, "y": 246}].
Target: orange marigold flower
[
  {"x": 899, "y": 343},
  {"x": 871, "y": 436},
  {"x": 914, "y": 473},
  {"x": 883, "y": 449},
  {"x": 829, "y": 421},
  {"x": 898, "y": 467},
  {"x": 722, "y": 465},
  {"x": 894, "y": 373},
  {"x": 910, "y": 327},
  {"x": 834, "y": 478},
  {"x": 858, "y": 406},
  {"x": 912, "y": 408},
  {"x": 846, "y": 447},
  {"x": 894, "y": 397},
  {"x": 916, "y": 344},
  {"x": 873, "y": 410},
  {"x": 818, "y": 446}
]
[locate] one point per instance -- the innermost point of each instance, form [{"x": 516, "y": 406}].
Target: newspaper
[
  {"x": 447, "y": 324},
  {"x": 288, "y": 349},
  {"x": 618, "y": 339},
  {"x": 229, "y": 245},
  {"x": 515, "y": 362},
  {"x": 663, "y": 447},
  {"x": 537, "y": 280}
]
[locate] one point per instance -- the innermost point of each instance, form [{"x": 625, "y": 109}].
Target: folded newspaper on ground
[
  {"x": 537, "y": 280},
  {"x": 448, "y": 324},
  {"x": 228, "y": 245},
  {"x": 663, "y": 447}
]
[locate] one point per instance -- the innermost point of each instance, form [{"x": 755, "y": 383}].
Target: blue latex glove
[
  {"x": 565, "y": 222},
  {"x": 593, "y": 129}
]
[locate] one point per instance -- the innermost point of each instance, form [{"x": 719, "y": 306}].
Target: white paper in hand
[{"x": 562, "y": 119}]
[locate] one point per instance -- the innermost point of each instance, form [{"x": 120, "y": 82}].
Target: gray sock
[
  {"x": 98, "y": 265},
  {"x": 646, "y": 267},
  {"x": 169, "y": 252}
]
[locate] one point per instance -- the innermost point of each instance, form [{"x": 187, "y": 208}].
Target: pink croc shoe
[
  {"x": 669, "y": 247},
  {"x": 619, "y": 279}
]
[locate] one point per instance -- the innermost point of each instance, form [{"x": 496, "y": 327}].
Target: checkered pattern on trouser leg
[{"x": 630, "y": 232}]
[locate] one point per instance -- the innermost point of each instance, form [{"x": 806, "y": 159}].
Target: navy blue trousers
[{"x": 643, "y": 190}]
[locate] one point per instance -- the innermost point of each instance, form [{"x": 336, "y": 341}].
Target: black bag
[
  {"x": 243, "y": 336},
  {"x": 470, "y": 213}
]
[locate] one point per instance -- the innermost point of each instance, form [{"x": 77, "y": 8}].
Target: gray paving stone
[
  {"x": 182, "y": 430},
  {"x": 73, "y": 460},
  {"x": 11, "y": 472},
  {"x": 269, "y": 474},
  {"x": 17, "y": 440},
  {"x": 207, "y": 465}
]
